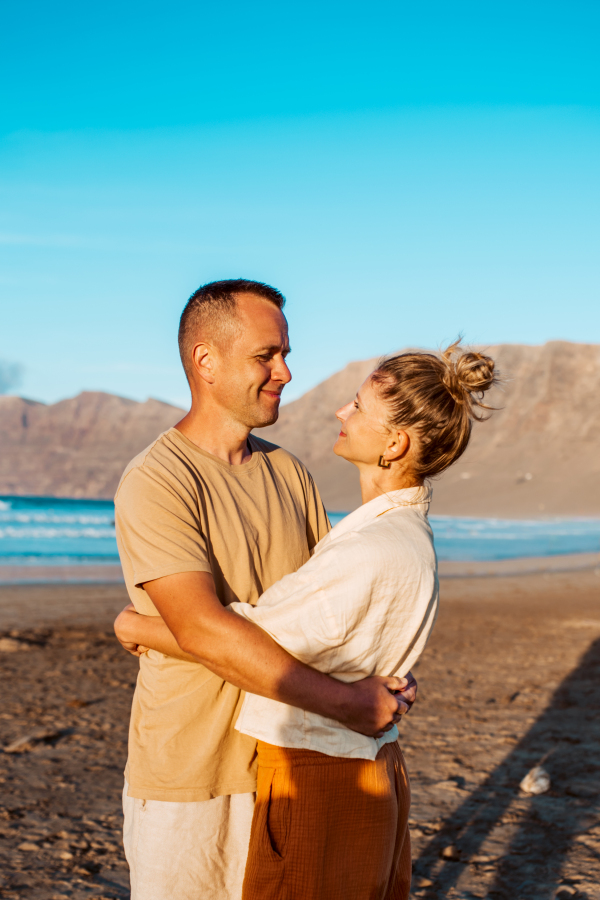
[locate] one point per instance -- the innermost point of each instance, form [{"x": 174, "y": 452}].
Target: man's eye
[{"x": 264, "y": 358}]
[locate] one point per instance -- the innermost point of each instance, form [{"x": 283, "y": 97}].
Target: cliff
[
  {"x": 75, "y": 448},
  {"x": 538, "y": 454}
]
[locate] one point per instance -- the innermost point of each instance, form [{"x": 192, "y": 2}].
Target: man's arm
[{"x": 244, "y": 655}]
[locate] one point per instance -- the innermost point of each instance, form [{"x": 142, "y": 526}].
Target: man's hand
[{"x": 376, "y": 704}]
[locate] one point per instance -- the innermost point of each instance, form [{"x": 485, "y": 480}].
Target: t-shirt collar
[{"x": 241, "y": 469}]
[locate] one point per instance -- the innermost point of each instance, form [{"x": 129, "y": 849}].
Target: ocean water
[
  {"x": 46, "y": 531},
  {"x": 465, "y": 539}
]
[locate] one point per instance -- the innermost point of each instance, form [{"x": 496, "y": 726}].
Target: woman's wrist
[{"x": 125, "y": 625}]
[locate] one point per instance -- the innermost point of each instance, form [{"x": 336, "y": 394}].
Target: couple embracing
[{"x": 275, "y": 652}]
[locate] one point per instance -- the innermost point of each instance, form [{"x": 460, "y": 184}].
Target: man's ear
[{"x": 203, "y": 361}]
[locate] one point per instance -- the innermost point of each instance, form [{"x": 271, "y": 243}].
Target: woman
[{"x": 331, "y": 818}]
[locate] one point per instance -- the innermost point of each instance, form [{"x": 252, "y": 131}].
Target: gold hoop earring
[{"x": 384, "y": 463}]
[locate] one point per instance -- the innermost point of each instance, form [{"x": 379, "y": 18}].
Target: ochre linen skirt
[{"x": 329, "y": 828}]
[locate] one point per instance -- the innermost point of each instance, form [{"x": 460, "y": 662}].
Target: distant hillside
[
  {"x": 539, "y": 454},
  {"x": 75, "y": 448}
]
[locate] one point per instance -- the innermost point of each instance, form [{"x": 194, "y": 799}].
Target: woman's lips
[{"x": 342, "y": 434}]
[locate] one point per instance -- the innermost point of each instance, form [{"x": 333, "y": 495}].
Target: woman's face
[{"x": 364, "y": 434}]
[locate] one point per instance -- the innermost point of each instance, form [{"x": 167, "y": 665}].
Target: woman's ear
[{"x": 398, "y": 446}]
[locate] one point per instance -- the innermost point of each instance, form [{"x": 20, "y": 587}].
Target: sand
[{"x": 510, "y": 677}]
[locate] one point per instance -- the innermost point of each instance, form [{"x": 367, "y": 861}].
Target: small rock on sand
[
  {"x": 537, "y": 781},
  {"x": 10, "y": 645}
]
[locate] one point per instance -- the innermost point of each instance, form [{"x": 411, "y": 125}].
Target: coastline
[
  {"x": 93, "y": 574},
  {"x": 112, "y": 574},
  {"x": 522, "y": 565}
]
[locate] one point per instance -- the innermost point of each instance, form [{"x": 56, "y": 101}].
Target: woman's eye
[{"x": 355, "y": 405}]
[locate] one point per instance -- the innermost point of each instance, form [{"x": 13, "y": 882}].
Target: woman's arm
[
  {"x": 137, "y": 634},
  {"x": 312, "y": 612}
]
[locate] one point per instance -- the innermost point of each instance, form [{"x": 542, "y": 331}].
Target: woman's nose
[{"x": 342, "y": 413}]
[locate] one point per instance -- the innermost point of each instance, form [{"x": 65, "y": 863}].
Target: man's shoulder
[{"x": 156, "y": 457}]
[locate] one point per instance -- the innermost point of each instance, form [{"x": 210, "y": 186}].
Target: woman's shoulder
[{"x": 398, "y": 531}]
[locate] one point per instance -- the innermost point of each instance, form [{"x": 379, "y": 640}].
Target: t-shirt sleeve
[
  {"x": 313, "y": 612},
  {"x": 317, "y": 522},
  {"x": 157, "y": 527}
]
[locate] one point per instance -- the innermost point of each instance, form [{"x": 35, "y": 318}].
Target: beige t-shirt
[{"x": 180, "y": 509}]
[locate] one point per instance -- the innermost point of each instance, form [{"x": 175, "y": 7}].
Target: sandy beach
[{"x": 511, "y": 677}]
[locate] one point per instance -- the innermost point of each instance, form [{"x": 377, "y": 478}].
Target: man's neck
[{"x": 215, "y": 433}]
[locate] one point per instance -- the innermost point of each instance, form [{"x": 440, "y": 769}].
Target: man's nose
[{"x": 280, "y": 371}]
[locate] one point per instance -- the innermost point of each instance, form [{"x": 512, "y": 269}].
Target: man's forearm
[
  {"x": 244, "y": 655},
  {"x": 249, "y": 658}
]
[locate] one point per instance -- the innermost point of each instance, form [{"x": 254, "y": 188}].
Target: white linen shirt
[{"x": 364, "y": 604}]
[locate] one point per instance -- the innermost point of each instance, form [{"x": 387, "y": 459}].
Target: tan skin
[
  {"x": 236, "y": 384},
  {"x": 365, "y": 437}
]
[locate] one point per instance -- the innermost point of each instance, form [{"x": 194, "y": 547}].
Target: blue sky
[{"x": 402, "y": 174}]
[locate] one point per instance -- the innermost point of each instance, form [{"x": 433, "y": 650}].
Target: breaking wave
[{"x": 49, "y": 531}]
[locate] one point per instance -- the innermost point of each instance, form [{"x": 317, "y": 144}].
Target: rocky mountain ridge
[
  {"x": 539, "y": 453},
  {"x": 77, "y": 447}
]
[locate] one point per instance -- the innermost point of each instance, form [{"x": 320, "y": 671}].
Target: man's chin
[{"x": 266, "y": 417}]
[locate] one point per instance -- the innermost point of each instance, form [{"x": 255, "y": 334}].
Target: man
[{"x": 206, "y": 515}]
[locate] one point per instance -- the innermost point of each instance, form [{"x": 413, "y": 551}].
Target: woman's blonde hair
[{"x": 438, "y": 397}]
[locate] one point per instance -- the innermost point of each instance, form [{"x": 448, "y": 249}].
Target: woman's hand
[
  {"x": 407, "y": 693},
  {"x": 123, "y": 626},
  {"x": 138, "y": 633}
]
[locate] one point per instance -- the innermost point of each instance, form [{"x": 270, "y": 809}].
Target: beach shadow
[{"x": 567, "y": 734}]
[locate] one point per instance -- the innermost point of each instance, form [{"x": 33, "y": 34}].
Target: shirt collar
[{"x": 417, "y": 498}]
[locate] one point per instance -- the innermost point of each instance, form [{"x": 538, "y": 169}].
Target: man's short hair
[{"x": 211, "y": 310}]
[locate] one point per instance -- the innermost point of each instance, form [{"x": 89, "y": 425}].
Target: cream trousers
[{"x": 187, "y": 851}]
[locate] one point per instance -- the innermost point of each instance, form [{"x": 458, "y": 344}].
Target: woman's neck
[{"x": 377, "y": 481}]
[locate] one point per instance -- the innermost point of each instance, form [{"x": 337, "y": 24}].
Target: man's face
[{"x": 251, "y": 372}]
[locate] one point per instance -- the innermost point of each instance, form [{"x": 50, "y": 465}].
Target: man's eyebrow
[{"x": 276, "y": 348}]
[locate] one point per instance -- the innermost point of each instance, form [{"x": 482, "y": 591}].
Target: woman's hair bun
[
  {"x": 438, "y": 395},
  {"x": 467, "y": 372}
]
